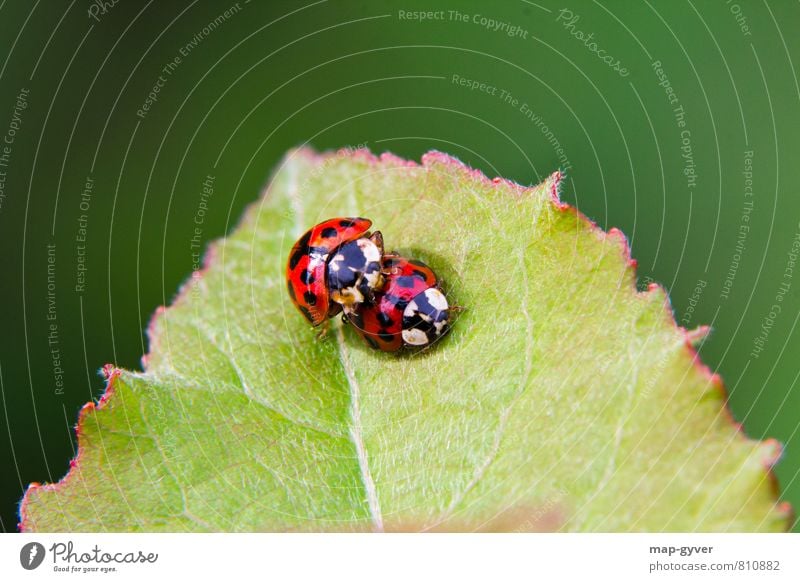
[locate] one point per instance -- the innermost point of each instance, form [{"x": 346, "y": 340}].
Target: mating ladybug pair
[{"x": 339, "y": 266}]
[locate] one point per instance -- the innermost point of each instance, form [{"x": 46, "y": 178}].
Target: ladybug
[
  {"x": 411, "y": 310},
  {"x": 334, "y": 265}
]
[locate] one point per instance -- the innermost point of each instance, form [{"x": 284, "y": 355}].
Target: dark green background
[{"x": 277, "y": 75}]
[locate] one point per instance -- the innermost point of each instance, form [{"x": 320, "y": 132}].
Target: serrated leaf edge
[{"x": 771, "y": 448}]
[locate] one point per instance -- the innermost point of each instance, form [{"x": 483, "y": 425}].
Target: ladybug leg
[
  {"x": 322, "y": 332},
  {"x": 457, "y": 308}
]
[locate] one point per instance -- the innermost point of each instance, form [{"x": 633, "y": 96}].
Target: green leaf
[{"x": 563, "y": 399}]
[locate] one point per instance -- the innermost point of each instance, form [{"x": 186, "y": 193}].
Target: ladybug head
[{"x": 354, "y": 271}]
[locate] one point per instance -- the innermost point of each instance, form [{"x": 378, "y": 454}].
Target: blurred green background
[{"x": 687, "y": 140}]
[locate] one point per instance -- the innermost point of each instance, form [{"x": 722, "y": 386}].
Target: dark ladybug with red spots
[
  {"x": 411, "y": 310},
  {"x": 335, "y": 266}
]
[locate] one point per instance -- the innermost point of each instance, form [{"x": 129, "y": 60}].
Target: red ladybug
[
  {"x": 410, "y": 311},
  {"x": 335, "y": 264}
]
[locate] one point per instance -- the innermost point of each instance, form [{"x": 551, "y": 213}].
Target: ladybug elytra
[{"x": 410, "y": 311}]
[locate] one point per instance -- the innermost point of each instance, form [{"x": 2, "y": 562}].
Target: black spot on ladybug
[
  {"x": 405, "y": 282},
  {"x": 328, "y": 232},
  {"x": 386, "y": 335},
  {"x": 291, "y": 291},
  {"x": 392, "y": 261},
  {"x": 301, "y": 248},
  {"x": 384, "y": 319},
  {"x": 303, "y": 241},
  {"x": 310, "y": 298},
  {"x": 422, "y": 275},
  {"x": 307, "y": 277},
  {"x": 372, "y": 343},
  {"x": 296, "y": 256},
  {"x": 347, "y": 223}
]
